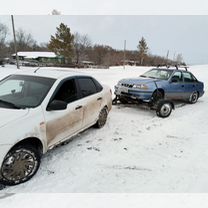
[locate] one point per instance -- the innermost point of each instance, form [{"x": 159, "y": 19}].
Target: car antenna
[{"x": 36, "y": 69}]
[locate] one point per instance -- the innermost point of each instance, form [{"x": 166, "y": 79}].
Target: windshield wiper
[
  {"x": 10, "y": 104},
  {"x": 143, "y": 76}
]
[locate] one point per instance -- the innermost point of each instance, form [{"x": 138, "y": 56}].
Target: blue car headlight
[
  {"x": 119, "y": 83},
  {"x": 140, "y": 86}
]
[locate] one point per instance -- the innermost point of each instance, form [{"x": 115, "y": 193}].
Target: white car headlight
[{"x": 140, "y": 86}]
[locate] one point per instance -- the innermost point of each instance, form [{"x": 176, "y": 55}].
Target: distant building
[
  {"x": 38, "y": 57},
  {"x": 129, "y": 62},
  {"x": 87, "y": 64}
]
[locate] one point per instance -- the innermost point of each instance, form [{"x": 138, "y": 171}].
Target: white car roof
[{"x": 51, "y": 72}]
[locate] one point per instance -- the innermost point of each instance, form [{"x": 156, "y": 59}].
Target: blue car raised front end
[{"x": 173, "y": 84}]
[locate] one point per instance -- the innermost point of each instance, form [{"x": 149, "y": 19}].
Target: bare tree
[
  {"x": 99, "y": 54},
  {"x": 3, "y": 35},
  {"x": 3, "y": 32},
  {"x": 25, "y": 41},
  {"x": 179, "y": 59},
  {"x": 81, "y": 44}
]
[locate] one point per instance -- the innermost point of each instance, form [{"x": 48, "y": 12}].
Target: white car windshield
[
  {"x": 158, "y": 74},
  {"x": 20, "y": 91}
]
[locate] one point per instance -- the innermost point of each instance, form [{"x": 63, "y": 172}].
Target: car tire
[
  {"x": 123, "y": 100},
  {"x": 157, "y": 95},
  {"x": 102, "y": 118},
  {"x": 193, "y": 97},
  {"x": 164, "y": 108},
  {"x": 20, "y": 164}
]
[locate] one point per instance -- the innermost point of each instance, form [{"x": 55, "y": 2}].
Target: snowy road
[{"x": 135, "y": 152}]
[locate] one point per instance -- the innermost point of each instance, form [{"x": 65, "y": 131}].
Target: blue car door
[
  {"x": 175, "y": 88},
  {"x": 190, "y": 84}
]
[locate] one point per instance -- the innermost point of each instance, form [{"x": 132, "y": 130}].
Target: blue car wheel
[
  {"x": 164, "y": 108},
  {"x": 156, "y": 96},
  {"x": 193, "y": 97},
  {"x": 123, "y": 100}
]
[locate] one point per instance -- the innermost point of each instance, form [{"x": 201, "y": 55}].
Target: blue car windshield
[{"x": 158, "y": 74}]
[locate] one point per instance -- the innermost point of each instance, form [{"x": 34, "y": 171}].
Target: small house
[{"x": 40, "y": 57}]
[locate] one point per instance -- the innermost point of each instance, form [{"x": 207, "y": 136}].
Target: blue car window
[
  {"x": 188, "y": 77},
  {"x": 177, "y": 76}
]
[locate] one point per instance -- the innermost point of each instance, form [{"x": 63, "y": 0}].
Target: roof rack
[{"x": 176, "y": 66}]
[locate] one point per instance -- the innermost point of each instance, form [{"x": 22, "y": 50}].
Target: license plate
[{"x": 123, "y": 89}]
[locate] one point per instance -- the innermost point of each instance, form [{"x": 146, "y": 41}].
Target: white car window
[
  {"x": 11, "y": 86},
  {"x": 67, "y": 92},
  {"x": 87, "y": 86},
  {"x": 24, "y": 91}
]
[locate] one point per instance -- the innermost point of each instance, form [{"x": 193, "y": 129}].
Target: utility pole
[
  {"x": 124, "y": 54},
  {"x": 15, "y": 42},
  {"x": 167, "y": 56}
]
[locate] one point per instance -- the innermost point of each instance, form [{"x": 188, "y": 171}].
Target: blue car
[{"x": 160, "y": 83}]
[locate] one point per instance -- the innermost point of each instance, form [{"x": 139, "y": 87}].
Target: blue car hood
[{"x": 139, "y": 80}]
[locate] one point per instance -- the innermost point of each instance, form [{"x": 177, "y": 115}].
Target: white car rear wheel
[{"x": 102, "y": 118}]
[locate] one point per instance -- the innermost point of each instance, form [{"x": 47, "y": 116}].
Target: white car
[{"x": 40, "y": 109}]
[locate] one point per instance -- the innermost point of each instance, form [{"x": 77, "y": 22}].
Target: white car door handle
[{"x": 78, "y": 107}]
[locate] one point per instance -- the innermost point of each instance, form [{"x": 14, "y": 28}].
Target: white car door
[
  {"x": 62, "y": 124},
  {"x": 92, "y": 100}
]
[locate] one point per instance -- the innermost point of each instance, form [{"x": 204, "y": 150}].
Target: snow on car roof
[{"x": 50, "y": 72}]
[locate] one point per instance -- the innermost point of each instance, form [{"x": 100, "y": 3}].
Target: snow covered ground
[
  {"x": 110, "y": 200},
  {"x": 135, "y": 152}
]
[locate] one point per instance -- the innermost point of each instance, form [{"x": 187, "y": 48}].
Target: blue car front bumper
[{"x": 133, "y": 93}]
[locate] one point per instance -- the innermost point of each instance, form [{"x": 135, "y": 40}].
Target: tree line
[{"x": 77, "y": 48}]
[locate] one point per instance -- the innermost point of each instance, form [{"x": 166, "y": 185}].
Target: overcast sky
[
  {"x": 105, "y": 6},
  {"x": 178, "y": 34}
]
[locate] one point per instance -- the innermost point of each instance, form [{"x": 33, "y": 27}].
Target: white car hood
[{"x": 8, "y": 115}]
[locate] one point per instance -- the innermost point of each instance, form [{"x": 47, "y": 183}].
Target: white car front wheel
[{"x": 19, "y": 165}]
